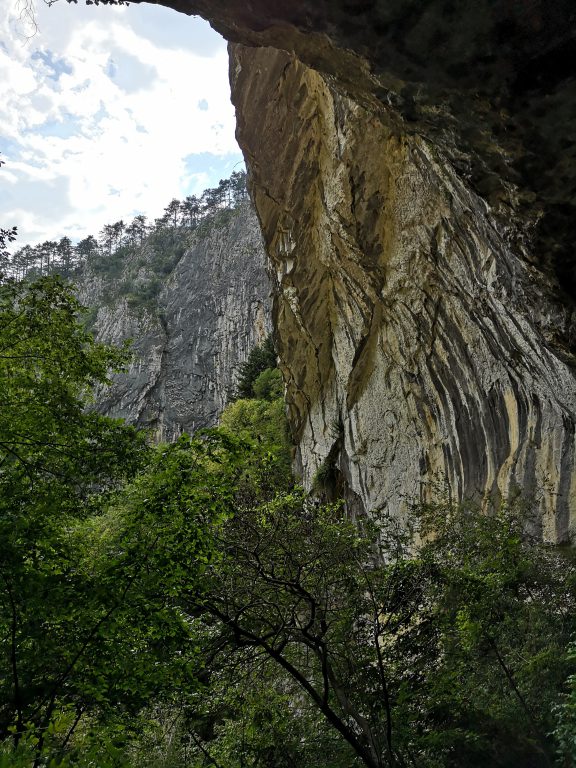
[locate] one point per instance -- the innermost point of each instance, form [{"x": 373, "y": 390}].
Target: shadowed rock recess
[{"x": 413, "y": 166}]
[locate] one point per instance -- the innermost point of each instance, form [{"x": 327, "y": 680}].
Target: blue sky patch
[
  {"x": 55, "y": 65},
  {"x": 62, "y": 129},
  {"x": 214, "y": 167},
  {"x": 130, "y": 73},
  {"x": 9, "y": 150}
]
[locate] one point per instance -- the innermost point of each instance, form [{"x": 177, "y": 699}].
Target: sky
[{"x": 107, "y": 112}]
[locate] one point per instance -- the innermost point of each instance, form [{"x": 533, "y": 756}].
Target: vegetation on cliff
[
  {"x": 190, "y": 294},
  {"x": 258, "y": 374},
  {"x": 104, "y": 254}
]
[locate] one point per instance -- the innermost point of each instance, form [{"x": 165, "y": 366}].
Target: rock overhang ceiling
[{"x": 414, "y": 169}]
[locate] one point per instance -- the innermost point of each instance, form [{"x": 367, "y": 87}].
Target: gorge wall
[
  {"x": 413, "y": 166},
  {"x": 191, "y": 333}
]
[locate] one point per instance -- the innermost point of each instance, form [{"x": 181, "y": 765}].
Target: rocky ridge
[{"x": 191, "y": 332}]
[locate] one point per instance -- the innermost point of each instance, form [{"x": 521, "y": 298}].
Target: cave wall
[{"x": 413, "y": 167}]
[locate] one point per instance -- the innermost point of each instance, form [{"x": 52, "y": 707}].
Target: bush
[
  {"x": 144, "y": 295},
  {"x": 268, "y": 385},
  {"x": 262, "y": 423}
]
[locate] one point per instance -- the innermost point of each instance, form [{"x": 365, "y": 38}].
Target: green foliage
[
  {"x": 565, "y": 731},
  {"x": 268, "y": 385},
  {"x": 144, "y": 295},
  {"x": 110, "y": 264},
  {"x": 166, "y": 249},
  {"x": 89, "y": 318},
  {"x": 48, "y": 366},
  {"x": 259, "y": 359},
  {"x": 502, "y": 607},
  {"x": 81, "y": 638},
  {"x": 454, "y": 654},
  {"x": 187, "y": 606},
  {"x": 262, "y": 425},
  {"x": 216, "y": 219},
  {"x": 284, "y": 587},
  {"x": 253, "y": 716},
  {"x": 107, "y": 255}
]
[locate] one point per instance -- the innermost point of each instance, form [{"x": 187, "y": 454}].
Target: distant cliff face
[
  {"x": 191, "y": 332},
  {"x": 413, "y": 168}
]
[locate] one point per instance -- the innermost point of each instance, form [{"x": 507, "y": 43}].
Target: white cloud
[{"x": 101, "y": 116}]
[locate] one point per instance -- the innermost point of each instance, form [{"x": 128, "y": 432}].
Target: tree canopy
[
  {"x": 75, "y": 603},
  {"x": 189, "y": 605}
]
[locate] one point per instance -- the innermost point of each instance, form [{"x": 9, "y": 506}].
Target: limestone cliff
[
  {"x": 412, "y": 165},
  {"x": 190, "y": 334},
  {"x": 412, "y": 330}
]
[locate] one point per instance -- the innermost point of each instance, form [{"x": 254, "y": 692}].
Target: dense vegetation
[{"x": 187, "y": 605}]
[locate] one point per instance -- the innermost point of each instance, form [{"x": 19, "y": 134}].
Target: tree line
[{"x": 68, "y": 259}]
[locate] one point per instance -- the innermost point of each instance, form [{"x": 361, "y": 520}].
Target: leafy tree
[
  {"x": 225, "y": 192},
  {"x": 502, "y": 607},
  {"x": 161, "y": 223},
  {"x": 238, "y": 186},
  {"x": 454, "y": 654},
  {"x": 249, "y": 714},
  {"x": 46, "y": 253},
  {"x": 65, "y": 254},
  {"x": 262, "y": 425},
  {"x": 84, "y": 633},
  {"x": 268, "y": 385},
  {"x": 6, "y": 236},
  {"x": 259, "y": 359},
  {"x": 142, "y": 227},
  {"x": 211, "y": 200},
  {"x": 87, "y": 248},
  {"x": 107, "y": 238},
  {"x": 132, "y": 234},
  {"x": 190, "y": 209},
  {"x": 48, "y": 364},
  {"x": 565, "y": 711},
  {"x": 293, "y": 585},
  {"x": 118, "y": 228},
  {"x": 22, "y": 262}
]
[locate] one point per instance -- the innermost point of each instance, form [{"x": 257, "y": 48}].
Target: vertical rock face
[
  {"x": 413, "y": 167},
  {"x": 418, "y": 343},
  {"x": 212, "y": 309}
]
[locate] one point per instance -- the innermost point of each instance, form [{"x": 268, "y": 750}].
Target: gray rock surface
[
  {"x": 422, "y": 349},
  {"x": 210, "y": 311}
]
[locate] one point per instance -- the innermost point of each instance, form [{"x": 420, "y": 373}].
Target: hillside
[{"x": 191, "y": 294}]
